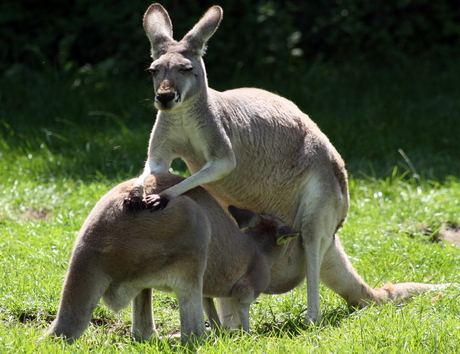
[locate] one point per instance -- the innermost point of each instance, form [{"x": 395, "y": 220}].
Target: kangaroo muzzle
[
  {"x": 165, "y": 98},
  {"x": 166, "y": 95}
]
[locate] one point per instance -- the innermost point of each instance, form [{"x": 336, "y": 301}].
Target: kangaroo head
[
  {"x": 177, "y": 69},
  {"x": 264, "y": 229}
]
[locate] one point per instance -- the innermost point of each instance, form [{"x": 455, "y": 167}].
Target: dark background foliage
[{"x": 67, "y": 35}]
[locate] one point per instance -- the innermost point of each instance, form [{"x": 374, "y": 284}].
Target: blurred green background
[{"x": 254, "y": 34}]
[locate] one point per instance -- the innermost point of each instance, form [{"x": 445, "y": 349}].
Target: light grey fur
[
  {"x": 253, "y": 149},
  {"x": 192, "y": 247}
]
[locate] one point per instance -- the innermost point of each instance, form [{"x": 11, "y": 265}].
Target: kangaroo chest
[{"x": 189, "y": 144}]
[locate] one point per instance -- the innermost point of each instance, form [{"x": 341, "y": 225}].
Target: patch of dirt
[
  {"x": 32, "y": 214},
  {"x": 450, "y": 234}
]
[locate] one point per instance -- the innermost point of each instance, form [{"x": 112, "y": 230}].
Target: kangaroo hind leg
[
  {"x": 143, "y": 322},
  {"x": 317, "y": 221}
]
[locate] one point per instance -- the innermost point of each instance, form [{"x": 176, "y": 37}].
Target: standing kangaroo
[
  {"x": 252, "y": 149},
  {"x": 192, "y": 248}
]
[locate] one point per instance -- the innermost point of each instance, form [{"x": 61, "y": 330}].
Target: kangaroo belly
[
  {"x": 289, "y": 271},
  {"x": 273, "y": 195},
  {"x": 284, "y": 284}
]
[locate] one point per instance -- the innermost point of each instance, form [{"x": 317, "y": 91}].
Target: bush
[{"x": 63, "y": 36}]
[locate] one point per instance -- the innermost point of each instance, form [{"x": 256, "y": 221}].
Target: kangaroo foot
[{"x": 134, "y": 200}]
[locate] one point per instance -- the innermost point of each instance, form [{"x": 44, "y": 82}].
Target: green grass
[{"x": 66, "y": 142}]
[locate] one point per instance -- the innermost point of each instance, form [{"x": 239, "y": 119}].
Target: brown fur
[{"x": 192, "y": 247}]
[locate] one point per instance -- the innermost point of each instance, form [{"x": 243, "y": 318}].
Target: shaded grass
[
  {"x": 373, "y": 115},
  {"x": 78, "y": 133}
]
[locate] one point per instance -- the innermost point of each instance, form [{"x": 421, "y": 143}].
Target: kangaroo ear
[
  {"x": 198, "y": 36},
  {"x": 244, "y": 218},
  {"x": 158, "y": 27},
  {"x": 285, "y": 234}
]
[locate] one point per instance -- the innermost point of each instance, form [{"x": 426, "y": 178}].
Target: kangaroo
[
  {"x": 252, "y": 149},
  {"x": 192, "y": 247}
]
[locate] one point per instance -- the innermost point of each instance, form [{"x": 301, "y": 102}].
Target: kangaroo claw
[{"x": 156, "y": 202}]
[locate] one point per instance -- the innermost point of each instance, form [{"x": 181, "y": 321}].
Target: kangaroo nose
[{"x": 164, "y": 98}]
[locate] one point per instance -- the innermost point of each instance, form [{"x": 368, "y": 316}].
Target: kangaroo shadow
[{"x": 295, "y": 325}]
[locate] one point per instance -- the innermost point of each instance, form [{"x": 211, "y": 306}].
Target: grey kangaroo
[
  {"x": 192, "y": 247},
  {"x": 252, "y": 149}
]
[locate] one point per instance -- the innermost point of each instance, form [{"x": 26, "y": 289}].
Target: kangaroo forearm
[{"x": 211, "y": 172}]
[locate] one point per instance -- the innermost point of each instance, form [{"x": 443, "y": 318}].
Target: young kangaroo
[
  {"x": 192, "y": 248},
  {"x": 249, "y": 148}
]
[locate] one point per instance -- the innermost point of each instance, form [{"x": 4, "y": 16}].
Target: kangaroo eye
[
  {"x": 186, "y": 69},
  {"x": 152, "y": 72}
]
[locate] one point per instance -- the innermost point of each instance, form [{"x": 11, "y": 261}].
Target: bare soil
[{"x": 450, "y": 234}]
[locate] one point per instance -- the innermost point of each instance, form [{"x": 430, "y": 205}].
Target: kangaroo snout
[{"x": 165, "y": 97}]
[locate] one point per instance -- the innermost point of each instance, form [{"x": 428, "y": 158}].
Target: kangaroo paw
[
  {"x": 134, "y": 200},
  {"x": 156, "y": 202}
]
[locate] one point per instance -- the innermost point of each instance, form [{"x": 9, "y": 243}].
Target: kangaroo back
[{"x": 120, "y": 252}]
